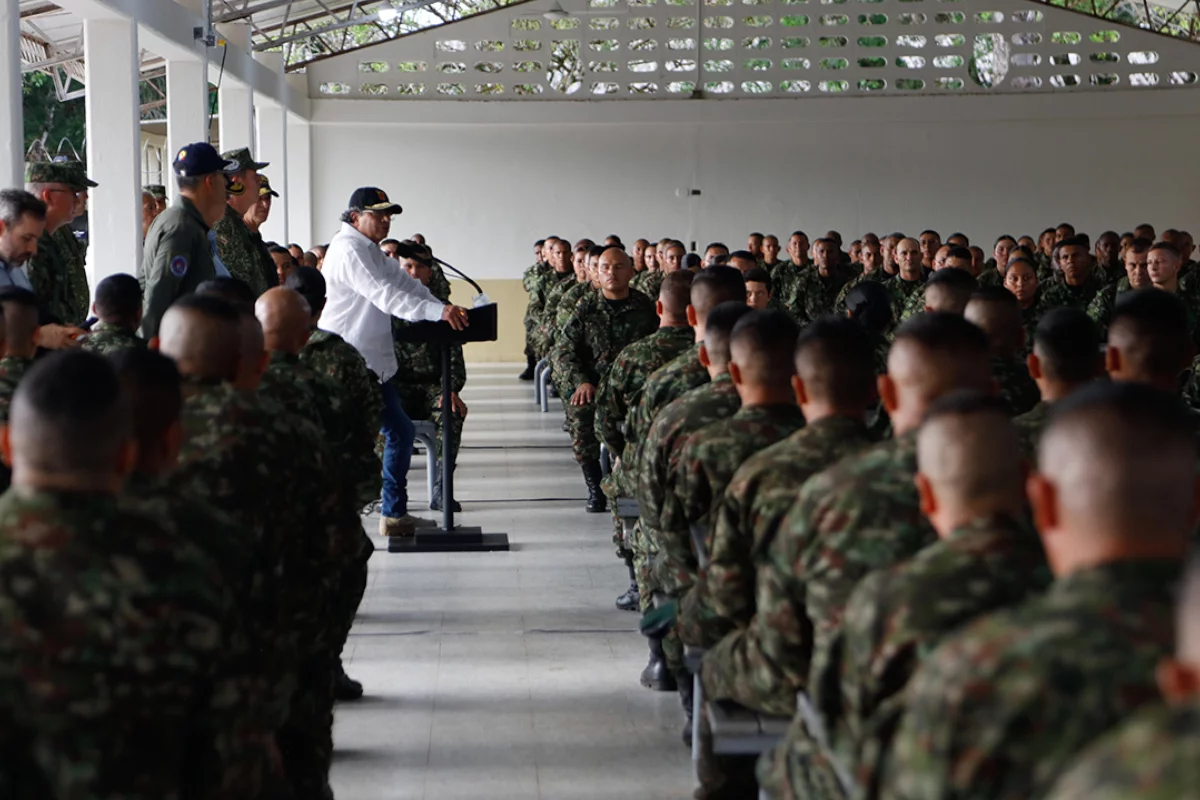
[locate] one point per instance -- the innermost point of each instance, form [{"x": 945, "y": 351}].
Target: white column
[
  {"x": 236, "y": 101},
  {"x": 272, "y": 148},
  {"x": 187, "y": 109},
  {"x": 299, "y": 184},
  {"x": 12, "y": 127},
  {"x": 113, "y": 146}
]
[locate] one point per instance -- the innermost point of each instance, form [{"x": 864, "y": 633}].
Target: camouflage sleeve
[
  {"x": 610, "y": 406},
  {"x": 764, "y": 665},
  {"x": 676, "y": 564},
  {"x": 649, "y": 484},
  {"x": 569, "y": 357},
  {"x": 458, "y": 369},
  {"x": 730, "y": 574}
]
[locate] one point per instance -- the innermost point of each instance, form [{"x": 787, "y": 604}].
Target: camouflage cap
[
  {"x": 68, "y": 173},
  {"x": 156, "y": 190},
  {"x": 243, "y": 159},
  {"x": 264, "y": 187}
]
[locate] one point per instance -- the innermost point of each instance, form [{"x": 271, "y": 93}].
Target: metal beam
[
  {"x": 38, "y": 10},
  {"x": 366, "y": 19},
  {"x": 311, "y": 16},
  {"x": 234, "y": 16}
]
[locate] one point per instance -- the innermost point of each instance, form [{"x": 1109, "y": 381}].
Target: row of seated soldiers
[
  {"x": 579, "y": 325},
  {"x": 837, "y": 563},
  {"x": 181, "y": 551}
]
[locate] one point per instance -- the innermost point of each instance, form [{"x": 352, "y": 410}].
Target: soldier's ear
[
  {"x": 800, "y": 390},
  {"x": 1112, "y": 360},
  {"x": 6, "y": 444},
  {"x": 925, "y": 495},
  {"x": 1043, "y": 497},
  {"x": 1034, "y": 364},
  {"x": 693, "y": 320},
  {"x": 1177, "y": 681},
  {"x": 658, "y": 307},
  {"x": 887, "y": 392},
  {"x": 154, "y": 342},
  {"x": 735, "y": 373}
]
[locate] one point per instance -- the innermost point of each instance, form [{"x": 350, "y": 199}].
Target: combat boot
[
  {"x": 631, "y": 600},
  {"x": 345, "y": 688},
  {"x": 435, "y": 502},
  {"x": 527, "y": 375},
  {"x": 597, "y": 503},
  {"x": 656, "y": 676}
]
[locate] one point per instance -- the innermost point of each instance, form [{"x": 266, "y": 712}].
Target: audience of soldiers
[{"x": 936, "y": 510}]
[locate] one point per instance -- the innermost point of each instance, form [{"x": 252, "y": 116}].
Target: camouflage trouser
[
  {"x": 350, "y": 592},
  {"x": 306, "y": 739},
  {"x": 581, "y": 424},
  {"x": 421, "y": 402},
  {"x": 798, "y": 767},
  {"x": 531, "y": 326},
  {"x": 616, "y": 485},
  {"x": 643, "y": 554}
]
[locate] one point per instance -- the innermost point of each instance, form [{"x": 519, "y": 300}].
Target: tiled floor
[{"x": 506, "y": 675}]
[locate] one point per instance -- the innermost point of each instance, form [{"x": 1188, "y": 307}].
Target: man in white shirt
[{"x": 365, "y": 290}]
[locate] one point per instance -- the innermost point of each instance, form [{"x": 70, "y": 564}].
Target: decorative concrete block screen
[{"x": 647, "y": 49}]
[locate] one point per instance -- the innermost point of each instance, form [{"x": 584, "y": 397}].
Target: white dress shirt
[{"x": 364, "y": 289}]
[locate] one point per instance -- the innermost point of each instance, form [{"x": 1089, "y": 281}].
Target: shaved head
[
  {"x": 933, "y": 354},
  {"x": 285, "y": 318},
  {"x": 676, "y": 292},
  {"x": 996, "y": 311},
  {"x": 1148, "y": 338},
  {"x": 201, "y": 335},
  {"x": 968, "y": 452},
  {"x": 719, "y": 329},
  {"x": 1122, "y": 460},
  {"x": 949, "y": 290},
  {"x": 762, "y": 345},
  {"x": 835, "y": 359},
  {"x": 716, "y": 285}
]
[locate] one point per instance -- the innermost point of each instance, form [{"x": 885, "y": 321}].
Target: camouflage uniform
[
  {"x": 706, "y": 462},
  {"x": 418, "y": 383},
  {"x": 12, "y": 369},
  {"x": 745, "y": 520},
  {"x": 665, "y": 385},
  {"x": 990, "y": 276},
  {"x": 48, "y": 276},
  {"x": 115, "y": 677},
  {"x": 877, "y": 275},
  {"x": 811, "y": 296},
  {"x": 330, "y": 355},
  {"x": 239, "y": 253},
  {"x": 439, "y": 284},
  {"x": 1019, "y": 391},
  {"x": 586, "y": 346},
  {"x": 1101, "y": 307},
  {"x": 551, "y": 290},
  {"x": 1030, "y": 317},
  {"x": 1057, "y": 293},
  {"x": 78, "y": 297},
  {"x": 106, "y": 338},
  {"x": 1151, "y": 756},
  {"x": 1001, "y": 709},
  {"x": 1030, "y": 425},
  {"x": 900, "y": 613},
  {"x": 904, "y": 292},
  {"x": 531, "y": 281},
  {"x": 657, "y": 459},
  {"x": 783, "y": 280}
]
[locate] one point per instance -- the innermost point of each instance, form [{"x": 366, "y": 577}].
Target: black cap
[
  {"x": 200, "y": 158},
  {"x": 370, "y": 198}
]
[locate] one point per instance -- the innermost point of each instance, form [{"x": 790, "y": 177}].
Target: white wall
[{"x": 483, "y": 180}]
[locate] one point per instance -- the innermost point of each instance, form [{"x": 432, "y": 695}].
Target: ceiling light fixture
[{"x": 387, "y": 12}]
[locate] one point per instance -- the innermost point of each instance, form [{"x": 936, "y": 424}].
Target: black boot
[
  {"x": 527, "y": 375},
  {"x": 656, "y": 676},
  {"x": 631, "y": 599},
  {"x": 597, "y": 503},
  {"x": 435, "y": 502},
  {"x": 686, "y": 690},
  {"x": 344, "y": 687}
]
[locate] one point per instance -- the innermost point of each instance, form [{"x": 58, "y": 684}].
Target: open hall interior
[{"x": 835, "y": 440}]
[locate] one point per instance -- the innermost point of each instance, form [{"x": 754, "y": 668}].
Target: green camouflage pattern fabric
[
  {"x": 1017, "y": 388},
  {"x": 990, "y": 275},
  {"x": 584, "y": 350},
  {"x": 621, "y": 389},
  {"x": 240, "y": 254},
  {"x": 12, "y": 369},
  {"x": 330, "y": 355},
  {"x": 897, "y": 615},
  {"x": 554, "y": 300},
  {"x": 418, "y": 382},
  {"x": 1030, "y": 317},
  {"x": 74, "y": 254},
  {"x": 1110, "y": 273},
  {"x": 1057, "y": 293},
  {"x": 1001, "y": 709},
  {"x": 745, "y": 521},
  {"x": 649, "y": 283},
  {"x": 115, "y": 677},
  {"x": 1030, "y": 426},
  {"x": 904, "y": 292},
  {"x": 1101, "y": 307},
  {"x": 812, "y": 295},
  {"x": 706, "y": 462},
  {"x": 783, "y": 280},
  {"x": 439, "y": 284},
  {"x": 1154, "y": 755},
  {"x": 531, "y": 281},
  {"x": 550, "y": 290},
  {"x": 48, "y": 275},
  {"x": 106, "y": 338},
  {"x": 665, "y": 385},
  {"x": 877, "y": 275}
]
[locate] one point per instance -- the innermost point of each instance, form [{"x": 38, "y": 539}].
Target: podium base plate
[{"x": 463, "y": 539}]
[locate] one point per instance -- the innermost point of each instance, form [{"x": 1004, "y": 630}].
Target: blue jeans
[{"x": 398, "y": 437}]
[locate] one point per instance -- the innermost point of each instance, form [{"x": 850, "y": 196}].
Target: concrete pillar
[
  {"x": 236, "y": 101},
  {"x": 110, "y": 49},
  {"x": 299, "y": 183},
  {"x": 187, "y": 109},
  {"x": 272, "y": 147},
  {"x": 12, "y": 126}
]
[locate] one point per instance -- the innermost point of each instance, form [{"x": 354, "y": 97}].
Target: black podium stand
[{"x": 450, "y": 538}]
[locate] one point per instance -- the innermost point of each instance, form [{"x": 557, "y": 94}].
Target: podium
[{"x": 450, "y": 538}]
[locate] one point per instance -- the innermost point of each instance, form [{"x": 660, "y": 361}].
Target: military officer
[{"x": 245, "y": 259}]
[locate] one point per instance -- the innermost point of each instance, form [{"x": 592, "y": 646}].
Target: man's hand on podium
[{"x": 456, "y": 316}]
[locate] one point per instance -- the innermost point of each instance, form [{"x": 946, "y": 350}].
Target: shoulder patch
[{"x": 179, "y": 266}]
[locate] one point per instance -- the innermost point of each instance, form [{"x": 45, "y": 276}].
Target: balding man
[
  {"x": 862, "y": 514},
  {"x": 114, "y": 650},
  {"x": 602, "y": 325},
  {"x": 996, "y": 311},
  {"x": 910, "y": 277},
  {"x": 1066, "y": 356},
  {"x": 990, "y": 714},
  {"x": 621, "y": 391},
  {"x": 245, "y": 258},
  {"x": 1153, "y": 752},
  {"x": 987, "y": 557}
]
